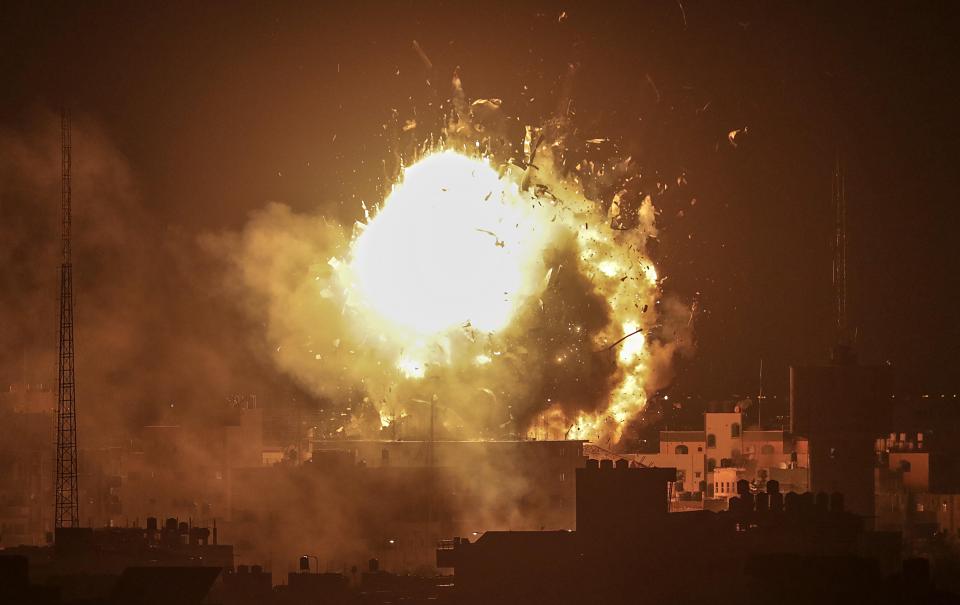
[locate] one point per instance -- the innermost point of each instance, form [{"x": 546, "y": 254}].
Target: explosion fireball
[
  {"x": 495, "y": 289},
  {"x": 453, "y": 245}
]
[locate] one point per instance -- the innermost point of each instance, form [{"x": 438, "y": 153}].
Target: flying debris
[
  {"x": 427, "y": 63},
  {"x": 621, "y": 339},
  {"x": 487, "y": 104},
  {"x": 499, "y": 243},
  {"x": 653, "y": 86},
  {"x": 733, "y": 134}
]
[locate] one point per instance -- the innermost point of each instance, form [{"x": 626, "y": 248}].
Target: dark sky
[{"x": 220, "y": 107}]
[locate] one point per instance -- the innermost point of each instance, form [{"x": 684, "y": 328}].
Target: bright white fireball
[{"x": 453, "y": 244}]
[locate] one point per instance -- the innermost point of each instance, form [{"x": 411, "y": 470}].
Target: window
[
  {"x": 735, "y": 430},
  {"x": 766, "y": 448},
  {"x": 698, "y": 473},
  {"x": 711, "y": 440},
  {"x": 681, "y": 449},
  {"x": 905, "y": 466},
  {"x": 699, "y": 448},
  {"x": 711, "y": 464}
]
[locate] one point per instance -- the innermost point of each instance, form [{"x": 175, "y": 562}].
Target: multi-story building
[
  {"x": 917, "y": 488},
  {"x": 26, "y": 464},
  {"x": 188, "y": 470},
  {"x": 394, "y": 500},
  {"x": 767, "y": 546},
  {"x": 841, "y": 408},
  {"x": 709, "y": 462}
]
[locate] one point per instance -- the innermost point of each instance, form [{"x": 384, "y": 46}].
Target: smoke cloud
[
  {"x": 172, "y": 322},
  {"x": 154, "y": 337},
  {"x": 580, "y": 356}
]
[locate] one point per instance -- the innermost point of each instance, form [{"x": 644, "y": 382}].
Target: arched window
[
  {"x": 905, "y": 466},
  {"x": 711, "y": 464},
  {"x": 711, "y": 440},
  {"x": 735, "y": 430},
  {"x": 766, "y": 448},
  {"x": 681, "y": 449}
]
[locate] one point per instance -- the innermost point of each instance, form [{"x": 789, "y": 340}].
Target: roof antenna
[{"x": 843, "y": 347}]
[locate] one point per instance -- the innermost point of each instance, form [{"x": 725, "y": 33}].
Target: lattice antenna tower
[
  {"x": 67, "y": 505},
  {"x": 840, "y": 255}
]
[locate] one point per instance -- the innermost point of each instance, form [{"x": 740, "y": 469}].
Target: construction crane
[{"x": 67, "y": 505}]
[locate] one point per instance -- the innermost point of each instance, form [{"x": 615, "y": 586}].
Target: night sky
[{"x": 218, "y": 108}]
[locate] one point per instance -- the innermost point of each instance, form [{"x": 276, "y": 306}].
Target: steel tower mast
[
  {"x": 67, "y": 505},
  {"x": 840, "y": 255}
]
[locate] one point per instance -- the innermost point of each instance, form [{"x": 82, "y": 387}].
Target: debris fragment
[
  {"x": 423, "y": 56},
  {"x": 733, "y": 134},
  {"x": 637, "y": 331},
  {"x": 654, "y": 87},
  {"x": 499, "y": 243}
]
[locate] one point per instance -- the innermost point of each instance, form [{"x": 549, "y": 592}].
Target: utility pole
[
  {"x": 67, "y": 505},
  {"x": 760, "y": 398}
]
